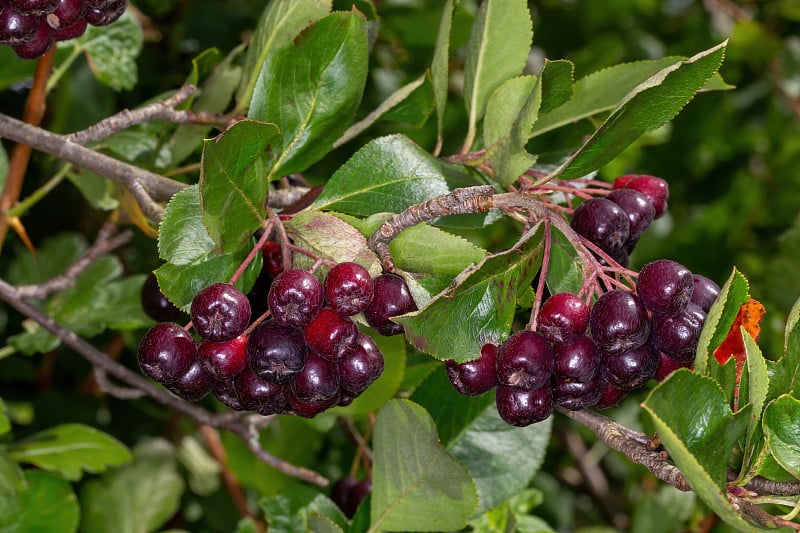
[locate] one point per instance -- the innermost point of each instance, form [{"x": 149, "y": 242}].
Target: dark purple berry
[
  {"x": 637, "y": 206},
  {"x": 318, "y": 381},
  {"x": 166, "y": 352},
  {"x": 521, "y": 408},
  {"x": 348, "y": 288},
  {"x": 474, "y": 377},
  {"x": 677, "y": 335},
  {"x": 70, "y": 32},
  {"x": 224, "y": 360},
  {"x": 225, "y": 392},
  {"x": 564, "y": 317},
  {"x": 331, "y": 335},
  {"x": 575, "y": 395},
  {"x": 610, "y": 396},
  {"x": 602, "y": 222},
  {"x": 667, "y": 365},
  {"x": 273, "y": 258},
  {"x": 665, "y": 286},
  {"x": 391, "y": 298},
  {"x": 41, "y": 42},
  {"x": 66, "y": 14},
  {"x": 155, "y": 304},
  {"x": 295, "y": 298},
  {"x": 631, "y": 369},
  {"x": 263, "y": 397},
  {"x": 276, "y": 353},
  {"x": 656, "y": 190},
  {"x": 705, "y": 292},
  {"x": 220, "y": 312},
  {"x": 194, "y": 385},
  {"x": 33, "y": 7},
  {"x": 619, "y": 322},
  {"x": 361, "y": 368},
  {"x": 310, "y": 409},
  {"x": 359, "y": 492},
  {"x": 108, "y": 13},
  {"x": 578, "y": 360},
  {"x": 525, "y": 360},
  {"x": 16, "y": 28},
  {"x": 341, "y": 494}
]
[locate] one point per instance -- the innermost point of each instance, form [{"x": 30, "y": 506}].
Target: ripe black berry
[
  {"x": 665, "y": 286},
  {"x": 575, "y": 395},
  {"x": 578, "y": 360},
  {"x": 155, "y": 304},
  {"x": 166, "y": 352},
  {"x": 33, "y": 7},
  {"x": 521, "y": 408},
  {"x": 105, "y": 12},
  {"x": 525, "y": 360},
  {"x": 331, "y": 335},
  {"x": 37, "y": 45},
  {"x": 295, "y": 298},
  {"x": 194, "y": 385},
  {"x": 474, "y": 377},
  {"x": 67, "y": 13},
  {"x": 602, "y": 222},
  {"x": 348, "y": 288},
  {"x": 619, "y": 322},
  {"x": 263, "y": 397},
  {"x": 705, "y": 292},
  {"x": 225, "y": 392},
  {"x": 310, "y": 409},
  {"x": 70, "y": 32},
  {"x": 318, "y": 381},
  {"x": 391, "y": 298},
  {"x": 224, "y": 360},
  {"x": 637, "y": 206},
  {"x": 361, "y": 368},
  {"x": 220, "y": 312},
  {"x": 563, "y": 318},
  {"x": 16, "y": 28},
  {"x": 273, "y": 258},
  {"x": 610, "y": 396},
  {"x": 631, "y": 369},
  {"x": 276, "y": 353},
  {"x": 677, "y": 335},
  {"x": 348, "y": 493}
]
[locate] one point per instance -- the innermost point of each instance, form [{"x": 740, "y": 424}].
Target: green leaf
[
  {"x": 440, "y": 67},
  {"x": 649, "y": 105},
  {"x": 565, "y": 269},
  {"x": 280, "y": 22},
  {"x": 391, "y": 102},
  {"x": 323, "y": 524},
  {"x": 784, "y": 374},
  {"x": 388, "y": 174},
  {"x": 312, "y": 89},
  {"x": 294, "y": 511},
  {"x": 497, "y": 51},
  {"x": 511, "y": 111},
  {"x": 47, "y": 504},
  {"x": 721, "y": 316},
  {"x": 782, "y": 430},
  {"x": 233, "y": 188},
  {"x": 416, "y": 484},
  {"x": 100, "y": 192},
  {"x": 458, "y": 321},
  {"x": 11, "y": 484},
  {"x": 183, "y": 238},
  {"x": 12, "y": 70},
  {"x": 5, "y": 423},
  {"x": 692, "y": 417},
  {"x": 650, "y": 512},
  {"x": 331, "y": 238},
  {"x": 757, "y": 385},
  {"x": 136, "y": 498},
  {"x": 55, "y": 255},
  {"x": 71, "y": 449},
  {"x": 3, "y": 167},
  {"x": 556, "y": 80},
  {"x": 112, "y": 51}
]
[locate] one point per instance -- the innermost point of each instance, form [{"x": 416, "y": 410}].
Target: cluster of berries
[
  {"x": 309, "y": 356},
  {"x": 32, "y": 27},
  {"x": 615, "y": 222},
  {"x": 581, "y": 356}
]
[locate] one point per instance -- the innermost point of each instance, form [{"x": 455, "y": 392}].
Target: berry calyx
[
  {"x": 295, "y": 298},
  {"x": 563, "y": 318},
  {"x": 220, "y": 312},
  {"x": 525, "y": 361},
  {"x": 348, "y": 288}
]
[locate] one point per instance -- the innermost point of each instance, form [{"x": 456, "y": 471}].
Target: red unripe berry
[
  {"x": 563, "y": 318},
  {"x": 656, "y": 189}
]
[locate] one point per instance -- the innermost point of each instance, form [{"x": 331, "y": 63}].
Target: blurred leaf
[
  {"x": 416, "y": 484},
  {"x": 651, "y": 104},
  {"x": 100, "y": 192},
  {"x": 5, "y": 423},
  {"x": 293, "y": 511},
  {"x": 136, "y": 498},
  {"x": 312, "y": 89},
  {"x": 323, "y": 524},
  {"x": 182, "y": 237},
  {"x": 458, "y": 321},
  {"x": 650, "y": 511},
  {"x": 112, "y": 51},
  {"x": 11, "y": 484},
  {"x": 55, "y": 255},
  {"x": 233, "y": 188},
  {"x": 497, "y": 51},
  {"x": 47, "y": 504},
  {"x": 13, "y": 70},
  {"x": 720, "y": 317},
  {"x": 440, "y": 66},
  {"x": 3, "y": 167},
  {"x": 782, "y": 430},
  {"x": 280, "y": 22},
  {"x": 71, "y": 449}
]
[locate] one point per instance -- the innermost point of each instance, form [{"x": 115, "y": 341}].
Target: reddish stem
[
  {"x": 537, "y": 302},
  {"x": 252, "y": 255}
]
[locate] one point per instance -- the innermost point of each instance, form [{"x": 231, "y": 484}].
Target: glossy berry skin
[
  {"x": 705, "y": 292},
  {"x": 41, "y": 42},
  {"x": 155, "y": 304},
  {"x": 391, "y": 298},
  {"x": 580, "y": 360},
  {"x": 619, "y": 322},
  {"x": 223, "y": 360},
  {"x": 563, "y": 318},
  {"x": 665, "y": 286},
  {"x": 16, "y": 28},
  {"x": 317, "y": 382},
  {"x": 263, "y": 397},
  {"x": 474, "y": 377},
  {"x": 220, "y": 312},
  {"x": 70, "y": 32},
  {"x": 276, "y": 353},
  {"x": 348, "y": 288},
  {"x": 310, "y": 409},
  {"x": 33, "y": 7},
  {"x": 522, "y": 408},
  {"x": 225, "y": 392},
  {"x": 295, "y": 298},
  {"x": 361, "y": 368},
  {"x": 166, "y": 352},
  {"x": 67, "y": 13},
  {"x": 656, "y": 189},
  {"x": 638, "y": 207},
  {"x": 331, "y": 335},
  {"x": 631, "y": 369},
  {"x": 108, "y": 13},
  {"x": 525, "y": 361},
  {"x": 677, "y": 335},
  {"x": 602, "y": 222},
  {"x": 575, "y": 395},
  {"x": 194, "y": 385}
]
